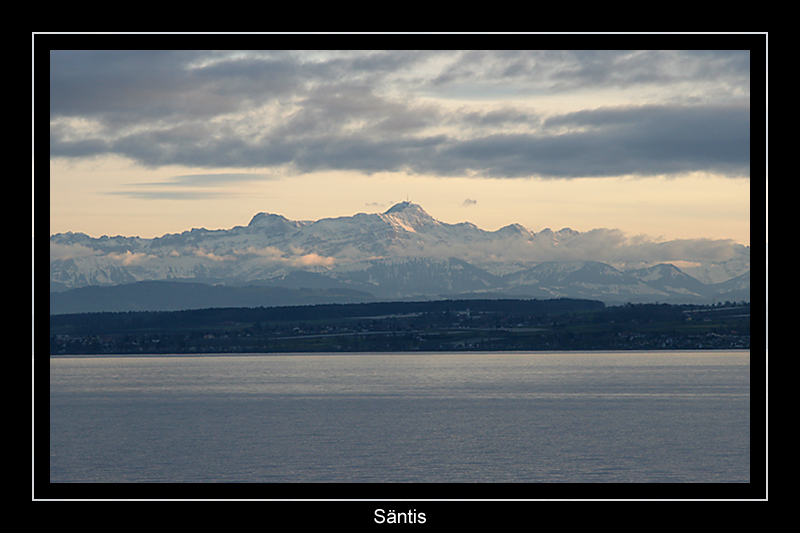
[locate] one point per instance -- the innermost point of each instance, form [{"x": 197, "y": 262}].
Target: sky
[{"x": 655, "y": 144}]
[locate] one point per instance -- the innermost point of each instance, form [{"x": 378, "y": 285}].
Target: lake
[{"x": 576, "y": 417}]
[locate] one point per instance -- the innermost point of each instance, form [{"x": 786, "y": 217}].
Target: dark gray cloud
[
  {"x": 126, "y": 88},
  {"x": 567, "y": 70},
  {"x": 377, "y": 111},
  {"x": 646, "y": 140}
]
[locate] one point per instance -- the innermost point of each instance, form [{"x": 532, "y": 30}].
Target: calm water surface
[{"x": 490, "y": 417}]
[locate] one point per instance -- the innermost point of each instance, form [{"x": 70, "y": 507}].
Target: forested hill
[
  {"x": 99, "y": 323},
  {"x": 447, "y": 325}
]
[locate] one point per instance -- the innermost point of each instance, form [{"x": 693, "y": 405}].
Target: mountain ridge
[{"x": 402, "y": 252}]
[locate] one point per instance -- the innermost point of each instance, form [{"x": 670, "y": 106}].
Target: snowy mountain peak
[
  {"x": 514, "y": 229},
  {"x": 273, "y": 223},
  {"x": 262, "y": 218},
  {"x": 406, "y": 207},
  {"x": 410, "y": 215}
]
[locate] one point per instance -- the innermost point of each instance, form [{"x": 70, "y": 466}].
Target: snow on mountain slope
[
  {"x": 582, "y": 279},
  {"x": 670, "y": 280},
  {"x": 402, "y": 252}
]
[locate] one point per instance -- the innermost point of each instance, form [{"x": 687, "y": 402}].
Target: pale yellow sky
[{"x": 117, "y": 197}]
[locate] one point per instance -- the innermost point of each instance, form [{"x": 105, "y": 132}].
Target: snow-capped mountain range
[{"x": 406, "y": 253}]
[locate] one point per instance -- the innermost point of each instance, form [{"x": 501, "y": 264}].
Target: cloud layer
[{"x": 434, "y": 113}]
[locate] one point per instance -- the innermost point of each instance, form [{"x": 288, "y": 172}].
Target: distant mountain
[
  {"x": 176, "y": 296},
  {"x": 579, "y": 279},
  {"x": 674, "y": 282},
  {"x": 403, "y": 253},
  {"x": 733, "y": 290},
  {"x": 419, "y": 277}
]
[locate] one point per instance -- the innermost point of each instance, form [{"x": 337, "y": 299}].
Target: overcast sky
[{"x": 647, "y": 142}]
